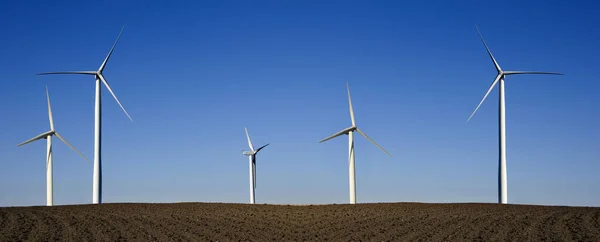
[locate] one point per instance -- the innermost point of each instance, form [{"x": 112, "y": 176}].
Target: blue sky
[{"x": 194, "y": 74}]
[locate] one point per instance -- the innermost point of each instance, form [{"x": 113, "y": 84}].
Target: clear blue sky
[{"x": 193, "y": 74}]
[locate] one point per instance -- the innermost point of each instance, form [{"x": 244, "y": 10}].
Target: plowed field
[{"x": 234, "y": 222}]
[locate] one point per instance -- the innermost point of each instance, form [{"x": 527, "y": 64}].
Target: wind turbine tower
[
  {"x": 252, "y": 158},
  {"x": 99, "y": 77},
  {"x": 350, "y": 132},
  {"x": 502, "y": 177},
  {"x": 48, "y": 136}
]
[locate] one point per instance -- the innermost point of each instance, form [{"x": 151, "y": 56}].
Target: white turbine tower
[
  {"x": 97, "y": 187},
  {"x": 502, "y": 179},
  {"x": 350, "y": 132},
  {"x": 48, "y": 137},
  {"x": 252, "y": 157}
]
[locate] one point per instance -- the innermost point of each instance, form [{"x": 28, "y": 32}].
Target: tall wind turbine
[
  {"x": 350, "y": 132},
  {"x": 48, "y": 136},
  {"x": 252, "y": 157},
  {"x": 502, "y": 179},
  {"x": 97, "y": 187}
]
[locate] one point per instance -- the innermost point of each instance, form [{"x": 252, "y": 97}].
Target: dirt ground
[{"x": 244, "y": 222}]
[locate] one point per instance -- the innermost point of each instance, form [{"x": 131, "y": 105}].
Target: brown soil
[{"x": 235, "y": 222}]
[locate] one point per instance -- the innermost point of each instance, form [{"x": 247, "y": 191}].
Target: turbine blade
[
  {"x": 530, "y": 72},
  {"x": 257, "y": 150},
  {"x": 63, "y": 140},
  {"x": 344, "y": 131},
  {"x": 111, "y": 51},
  {"x": 254, "y": 171},
  {"x": 249, "y": 142},
  {"x": 350, "y": 102},
  {"x": 43, "y": 135},
  {"x": 488, "y": 50},
  {"x": 68, "y": 72},
  {"x": 49, "y": 110},
  {"x": 486, "y": 94},
  {"x": 372, "y": 141},
  {"x": 48, "y": 154},
  {"x": 113, "y": 94}
]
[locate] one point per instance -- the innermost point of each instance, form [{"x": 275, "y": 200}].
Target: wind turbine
[
  {"x": 252, "y": 157},
  {"x": 502, "y": 179},
  {"x": 97, "y": 187},
  {"x": 48, "y": 136},
  {"x": 350, "y": 132}
]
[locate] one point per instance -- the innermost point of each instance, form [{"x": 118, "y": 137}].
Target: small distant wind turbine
[
  {"x": 97, "y": 186},
  {"x": 502, "y": 179},
  {"x": 252, "y": 157},
  {"x": 350, "y": 132},
  {"x": 48, "y": 137}
]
